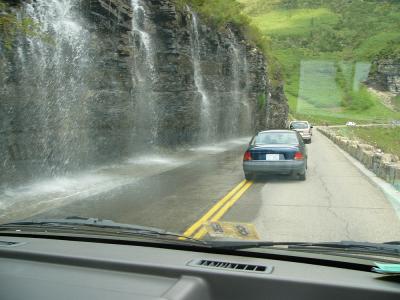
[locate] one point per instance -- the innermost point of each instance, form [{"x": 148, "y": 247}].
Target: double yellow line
[{"x": 197, "y": 230}]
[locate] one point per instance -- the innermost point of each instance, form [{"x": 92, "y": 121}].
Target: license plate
[{"x": 272, "y": 157}]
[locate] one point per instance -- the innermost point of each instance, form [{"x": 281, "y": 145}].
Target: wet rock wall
[{"x": 111, "y": 78}]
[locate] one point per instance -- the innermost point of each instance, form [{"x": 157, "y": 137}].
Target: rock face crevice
[{"x": 116, "y": 77}]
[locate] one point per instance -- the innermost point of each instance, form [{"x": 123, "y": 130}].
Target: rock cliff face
[
  {"x": 386, "y": 76},
  {"x": 108, "y": 78}
]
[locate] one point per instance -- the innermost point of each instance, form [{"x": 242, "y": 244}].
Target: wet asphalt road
[
  {"x": 172, "y": 199},
  {"x": 336, "y": 202}
]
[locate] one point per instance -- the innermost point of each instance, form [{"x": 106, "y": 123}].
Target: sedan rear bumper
[
  {"x": 274, "y": 167},
  {"x": 306, "y": 136}
]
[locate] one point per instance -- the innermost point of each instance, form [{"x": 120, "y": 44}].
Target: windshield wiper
[
  {"x": 79, "y": 223},
  {"x": 388, "y": 248}
]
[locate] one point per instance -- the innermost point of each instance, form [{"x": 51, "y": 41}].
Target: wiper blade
[
  {"x": 79, "y": 223},
  {"x": 392, "y": 243},
  {"x": 362, "y": 247},
  {"x": 392, "y": 248}
]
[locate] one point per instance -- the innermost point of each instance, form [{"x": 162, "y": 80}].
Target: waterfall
[
  {"x": 247, "y": 117},
  {"x": 234, "y": 116},
  {"x": 52, "y": 86},
  {"x": 86, "y": 91},
  {"x": 240, "y": 111},
  {"x": 207, "y": 126},
  {"x": 143, "y": 72}
]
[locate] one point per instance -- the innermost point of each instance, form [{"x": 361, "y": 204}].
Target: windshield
[
  {"x": 173, "y": 116},
  {"x": 276, "y": 138}
]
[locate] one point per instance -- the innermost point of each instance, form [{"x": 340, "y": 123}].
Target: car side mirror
[{"x": 311, "y": 126}]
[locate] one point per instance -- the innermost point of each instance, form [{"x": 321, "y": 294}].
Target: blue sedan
[{"x": 276, "y": 152}]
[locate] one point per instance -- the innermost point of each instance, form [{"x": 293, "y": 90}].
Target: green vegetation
[
  {"x": 219, "y": 11},
  {"x": 223, "y": 12},
  {"x": 387, "y": 139},
  {"x": 262, "y": 100},
  {"x": 396, "y": 103},
  {"x": 11, "y": 25},
  {"x": 326, "y": 49}
]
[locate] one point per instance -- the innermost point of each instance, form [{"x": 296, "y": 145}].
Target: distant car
[
  {"x": 303, "y": 128},
  {"x": 351, "y": 124},
  {"x": 276, "y": 152}
]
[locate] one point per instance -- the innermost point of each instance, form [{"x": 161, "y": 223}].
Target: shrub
[{"x": 360, "y": 100}]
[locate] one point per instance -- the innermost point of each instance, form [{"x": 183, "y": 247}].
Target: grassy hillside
[
  {"x": 387, "y": 139},
  {"x": 326, "y": 49}
]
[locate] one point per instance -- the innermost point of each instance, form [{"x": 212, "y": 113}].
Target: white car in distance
[
  {"x": 351, "y": 124},
  {"x": 303, "y": 128}
]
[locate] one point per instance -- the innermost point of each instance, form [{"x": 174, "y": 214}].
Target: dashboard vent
[{"x": 233, "y": 266}]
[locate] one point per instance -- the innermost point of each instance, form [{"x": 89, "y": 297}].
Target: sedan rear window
[
  {"x": 299, "y": 125},
  {"x": 271, "y": 138}
]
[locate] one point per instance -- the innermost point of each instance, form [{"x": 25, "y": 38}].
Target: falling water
[
  {"x": 143, "y": 73},
  {"x": 59, "y": 111},
  {"x": 247, "y": 112},
  {"x": 207, "y": 124},
  {"x": 236, "y": 100},
  {"x": 240, "y": 110},
  {"x": 52, "y": 80}
]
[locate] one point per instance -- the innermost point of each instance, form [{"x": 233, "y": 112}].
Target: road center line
[
  {"x": 192, "y": 229},
  {"x": 224, "y": 209}
]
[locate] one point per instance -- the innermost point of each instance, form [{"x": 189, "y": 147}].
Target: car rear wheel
[{"x": 302, "y": 177}]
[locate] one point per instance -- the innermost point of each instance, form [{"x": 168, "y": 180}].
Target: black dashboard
[{"x": 40, "y": 268}]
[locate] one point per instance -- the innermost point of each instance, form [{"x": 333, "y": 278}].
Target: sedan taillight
[
  {"x": 298, "y": 156},
  {"x": 247, "y": 156}
]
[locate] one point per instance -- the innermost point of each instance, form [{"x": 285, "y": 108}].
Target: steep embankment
[
  {"x": 332, "y": 52},
  {"x": 85, "y": 83}
]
